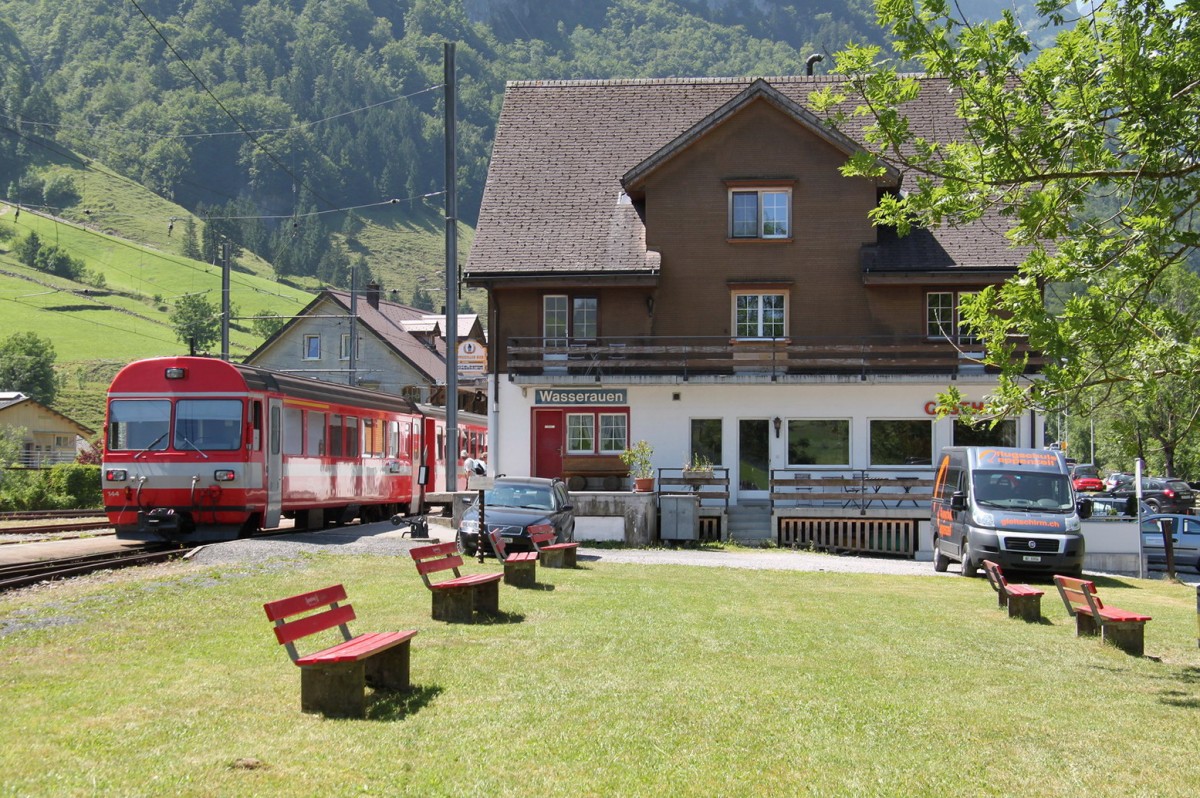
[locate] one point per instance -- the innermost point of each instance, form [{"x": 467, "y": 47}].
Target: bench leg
[
  {"x": 553, "y": 559},
  {"x": 1129, "y": 636},
  {"x": 487, "y": 598},
  {"x": 521, "y": 574},
  {"x": 1002, "y": 600},
  {"x": 336, "y": 691},
  {"x": 453, "y": 604},
  {"x": 389, "y": 670},
  {"x": 1085, "y": 625},
  {"x": 1028, "y": 608},
  {"x": 569, "y": 557}
]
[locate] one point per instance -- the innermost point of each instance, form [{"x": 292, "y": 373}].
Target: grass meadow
[{"x": 614, "y": 679}]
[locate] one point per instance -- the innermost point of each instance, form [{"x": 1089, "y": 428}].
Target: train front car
[{"x": 183, "y": 451}]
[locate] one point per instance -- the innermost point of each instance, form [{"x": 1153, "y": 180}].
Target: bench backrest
[
  {"x": 541, "y": 538},
  {"x": 498, "y": 544},
  {"x": 995, "y": 576},
  {"x": 331, "y": 615},
  {"x": 438, "y": 557},
  {"x": 1078, "y": 594}
]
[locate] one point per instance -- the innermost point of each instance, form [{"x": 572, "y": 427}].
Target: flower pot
[{"x": 643, "y": 484}]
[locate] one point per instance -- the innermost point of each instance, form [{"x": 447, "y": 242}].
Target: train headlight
[
  {"x": 116, "y": 475},
  {"x": 224, "y": 475}
]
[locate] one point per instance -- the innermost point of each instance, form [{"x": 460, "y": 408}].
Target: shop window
[{"x": 901, "y": 442}]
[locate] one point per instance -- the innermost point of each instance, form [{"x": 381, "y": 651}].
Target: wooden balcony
[{"x": 531, "y": 359}]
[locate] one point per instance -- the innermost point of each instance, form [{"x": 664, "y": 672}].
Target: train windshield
[
  {"x": 208, "y": 424},
  {"x": 138, "y": 424}
]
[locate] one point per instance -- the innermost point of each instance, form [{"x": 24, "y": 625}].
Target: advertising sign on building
[{"x": 472, "y": 359}]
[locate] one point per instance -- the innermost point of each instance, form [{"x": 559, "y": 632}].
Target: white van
[{"x": 1015, "y": 507}]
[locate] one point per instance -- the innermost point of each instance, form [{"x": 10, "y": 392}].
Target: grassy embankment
[{"x": 612, "y": 680}]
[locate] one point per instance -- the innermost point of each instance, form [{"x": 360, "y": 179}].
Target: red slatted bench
[
  {"x": 1023, "y": 601},
  {"x": 457, "y": 599},
  {"x": 551, "y": 554},
  {"x": 1118, "y": 627},
  {"x": 333, "y": 680},
  {"x": 520, "y": 567}
]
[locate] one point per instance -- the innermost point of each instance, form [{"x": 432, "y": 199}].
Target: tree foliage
[
  {"x": 1089, "y": 148},
  {"x": 27, "y": 365},
  {"x": 197, "y": 321}
]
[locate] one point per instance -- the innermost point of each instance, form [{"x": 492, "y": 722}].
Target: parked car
[
  {"x": 516, "y": 505},
  {"x": 1185, "y": 537},
  {"x": 1086, "y": 478},
  {"x": 1115, "y": 480},
  {"x": 1160, "y": 494}
]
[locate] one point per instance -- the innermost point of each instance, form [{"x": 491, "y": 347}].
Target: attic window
[{"x": 760, "y": 213}]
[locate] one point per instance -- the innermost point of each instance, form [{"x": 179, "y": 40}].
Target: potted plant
[
  {"x": 699, "y": 467},
  {"x": 637, "y": 458}
]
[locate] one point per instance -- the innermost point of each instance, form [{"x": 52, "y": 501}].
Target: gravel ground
[{"x": 383, "y": 538}]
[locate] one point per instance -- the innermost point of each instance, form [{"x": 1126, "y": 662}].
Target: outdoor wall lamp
[
  {"x": 777, "y": 422},
  {"x": 650, "y": 305}
]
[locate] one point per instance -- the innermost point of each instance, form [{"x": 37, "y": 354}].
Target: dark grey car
[
  {"x": 514, "y": 506},
  {"x": 1160, "y": 494}
]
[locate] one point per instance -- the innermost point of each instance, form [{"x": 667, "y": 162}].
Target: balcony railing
[{"x": 701, "y": 355}]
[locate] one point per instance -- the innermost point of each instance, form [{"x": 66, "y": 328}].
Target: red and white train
[{"x": 198, "y": 449}]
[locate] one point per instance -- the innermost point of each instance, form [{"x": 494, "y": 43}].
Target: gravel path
[{"x": 383, "y": 538}]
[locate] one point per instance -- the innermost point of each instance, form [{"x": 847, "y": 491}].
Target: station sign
[{"x": 581, "y": 396}]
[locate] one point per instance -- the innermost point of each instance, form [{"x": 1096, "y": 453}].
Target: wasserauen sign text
[{"x": 580, "y": 396}]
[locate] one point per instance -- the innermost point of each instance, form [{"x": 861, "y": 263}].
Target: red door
[{"x": 548, "y": 440}]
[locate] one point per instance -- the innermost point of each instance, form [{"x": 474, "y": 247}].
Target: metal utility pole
[
  {"x": 451, "y": 280},
  {"x": 353, "y": 377},
  {"x": 225, "y": 300}
]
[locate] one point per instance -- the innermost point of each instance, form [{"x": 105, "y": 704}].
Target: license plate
[{"x": 1031, "y": 558}]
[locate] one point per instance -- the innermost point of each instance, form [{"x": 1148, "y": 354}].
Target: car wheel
[
  {"x": 969, "y": 567},
  {"x": 940, "y": 561},
  {"x": 463, "y": 547},
  {"x": 1154, "y": 504}
]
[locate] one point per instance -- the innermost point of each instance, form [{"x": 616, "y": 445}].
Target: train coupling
[{"x": 165, "y": 521}]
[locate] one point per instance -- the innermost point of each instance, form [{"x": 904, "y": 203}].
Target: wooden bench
[
  {"x": 333, "y": 680},
  {"x": 551, "y": 554},
  {"x": 456, "y": 599},
  {"x": 1023, "y": 601},
  {"x": 520, "y": 567},
  {"x": 1118, "y": 627},
  {"x": 577, "y": 469}
]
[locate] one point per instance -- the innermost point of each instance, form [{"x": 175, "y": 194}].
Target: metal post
[
  {"x": 452, "y": 465},
  {"x": 353, "y": 377},
  {"x": 225, "y": 300},
  {"x": 1138, "y": 464}
]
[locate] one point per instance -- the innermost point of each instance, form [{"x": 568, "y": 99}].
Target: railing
[
  {"x": 857, "y": 489},
  {"x": 701, "y": 355},
  {"x": 44, "y": 459},
  {"x": 709, "y": 485}
]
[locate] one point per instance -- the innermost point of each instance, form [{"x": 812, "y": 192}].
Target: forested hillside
[{"x": 292, "y": 125}]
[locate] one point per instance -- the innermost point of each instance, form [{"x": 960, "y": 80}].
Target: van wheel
[
  {"x": 940, "y": 561},
  {"x": 969, "y": 567}
]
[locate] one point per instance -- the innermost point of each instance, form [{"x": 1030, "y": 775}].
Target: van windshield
[{"x": 1024, "y": 490}]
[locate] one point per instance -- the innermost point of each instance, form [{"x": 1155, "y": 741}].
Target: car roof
[{"x": 544, "y": 481}]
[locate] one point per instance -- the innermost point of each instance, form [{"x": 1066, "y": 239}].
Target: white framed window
[
  {"x": 312, "y": 347},
  {"x": 943, "y": 318},
  {"x": 818, "y": 441},
  {"x": 764, "y": 213},
  {"x": 759, "y": 315},
  {"x": 344, "y": 347},
  {"x": 614, "y": 433},
  {"x": 567, "y": 319},
  {"x": 581, "y": 433}
]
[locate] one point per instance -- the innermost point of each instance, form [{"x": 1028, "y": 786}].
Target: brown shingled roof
[{"x": 554, "y": 202}]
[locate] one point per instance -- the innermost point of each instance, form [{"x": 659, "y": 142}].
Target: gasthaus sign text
[{"x": 580, "y": 396}]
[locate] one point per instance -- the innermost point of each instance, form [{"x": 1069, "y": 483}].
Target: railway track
[
  {"x": 31, "y": 573},
  {"x": 39, "y": 515}
]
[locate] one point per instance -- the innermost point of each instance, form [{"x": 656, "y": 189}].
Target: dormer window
[{"x": 760, "y": 212}]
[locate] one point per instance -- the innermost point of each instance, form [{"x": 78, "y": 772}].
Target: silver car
[{"x": 1185, "y": 537}]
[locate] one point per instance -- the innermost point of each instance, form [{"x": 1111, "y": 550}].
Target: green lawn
[{"x": 614, "y": 680}]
